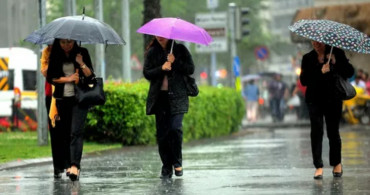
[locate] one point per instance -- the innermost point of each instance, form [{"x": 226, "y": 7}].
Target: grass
[{"x": 24, "y": 145}]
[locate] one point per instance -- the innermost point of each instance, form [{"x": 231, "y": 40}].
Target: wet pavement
[{"x": 253, "y": 161}]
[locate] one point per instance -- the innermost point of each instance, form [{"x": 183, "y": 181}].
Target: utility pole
[
  {"x": 42, "y": 124},
  {"x": 126, "y": 50},
  {"x": 232, "y": 13},
  {"x": 68, "y": 8},
  {"x": 99, "y": 48}
]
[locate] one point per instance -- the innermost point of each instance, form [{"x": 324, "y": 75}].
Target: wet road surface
[{"x": 253, "y": 161}]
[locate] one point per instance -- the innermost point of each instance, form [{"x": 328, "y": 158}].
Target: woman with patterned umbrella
[{"x": 319, "y": 68}]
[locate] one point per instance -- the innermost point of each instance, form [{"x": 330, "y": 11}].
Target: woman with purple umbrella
[
  {"x": 168, "y": 99},
  {"x": 323, "y": 104}
]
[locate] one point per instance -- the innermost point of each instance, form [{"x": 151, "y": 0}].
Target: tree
[{"x": 152, "y": 9}]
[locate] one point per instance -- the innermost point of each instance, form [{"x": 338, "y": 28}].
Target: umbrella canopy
[
  {"x": 177, "y": 29},
  {"x": 250, "y": 77},
  {"x": 81, "y": 28},
  {"x": 333, "y": 33}
]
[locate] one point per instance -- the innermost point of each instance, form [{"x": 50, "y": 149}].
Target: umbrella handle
[
  {"x": 172, "y": 46},
  {"x": 331, "y": 51}
]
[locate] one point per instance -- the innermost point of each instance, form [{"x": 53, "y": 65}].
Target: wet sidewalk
[{"x": 253, "y": 161}]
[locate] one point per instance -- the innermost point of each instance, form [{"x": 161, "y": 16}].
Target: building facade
[{"x": 18, "y": 19}]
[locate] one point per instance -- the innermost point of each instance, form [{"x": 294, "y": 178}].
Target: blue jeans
[{"x": 277, "y": 109}]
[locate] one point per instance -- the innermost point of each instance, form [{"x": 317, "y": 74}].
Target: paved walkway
[{"x": 253, "y": 161}]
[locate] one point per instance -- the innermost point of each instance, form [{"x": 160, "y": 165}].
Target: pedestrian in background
[
  {"x": 251, "y": 94},
  {"x": 300, "y": 92},
  {"x": 323, "y": 104},
  {"x": 57, "y": 150},
  {"x": 68, "y": 63},
  {"x": 277, "y": 90},
  {"x": 167, "y": 98},
  {"x": 367, "y": 82}
]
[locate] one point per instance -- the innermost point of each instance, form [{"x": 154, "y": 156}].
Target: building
[{"x": 18, "y": 19}]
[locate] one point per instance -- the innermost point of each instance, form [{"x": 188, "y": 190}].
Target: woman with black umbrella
[{"x": 70, "y": 65}]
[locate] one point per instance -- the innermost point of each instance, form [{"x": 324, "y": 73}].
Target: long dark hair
[
  {"x": 155, "y": 43},
  {"x": 57, "y": 58}
]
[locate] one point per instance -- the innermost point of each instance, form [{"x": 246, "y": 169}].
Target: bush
[{"x": 123, "y": 119}]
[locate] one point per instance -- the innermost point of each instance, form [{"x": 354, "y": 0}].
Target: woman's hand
[
  {"x": 170, "y": 58},
  {"x": 325, "y": 68},
  {"x": 74, "y": 77},
  {"x": 167, "y": 66},
  {"x": 79, "y": 60}
]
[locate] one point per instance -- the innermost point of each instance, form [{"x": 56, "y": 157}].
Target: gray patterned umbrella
[
  {"x": 81, "y": 28},
  {"x": 333, "y": 34}
]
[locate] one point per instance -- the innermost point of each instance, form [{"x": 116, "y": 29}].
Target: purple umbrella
[{"x": 176, "y": 29}]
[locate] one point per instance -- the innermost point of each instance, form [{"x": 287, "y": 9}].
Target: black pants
[
  {"x": 72, "y": 119},
  {"x": 331, "y": 112},
  {"x": 169, "y": 134},
  {"x": 58, "y": 144}
]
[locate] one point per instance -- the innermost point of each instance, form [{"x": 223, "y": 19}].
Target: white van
[{"x": 18, "y": 68}]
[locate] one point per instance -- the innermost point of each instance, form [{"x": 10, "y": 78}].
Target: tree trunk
[{"x": 152, "y": 9}]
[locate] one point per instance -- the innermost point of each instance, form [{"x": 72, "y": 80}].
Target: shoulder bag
[
  {"x": 191, "y": 87},
  {"x": 343, "y": 89},
  {"x": 91, "y": 94}
]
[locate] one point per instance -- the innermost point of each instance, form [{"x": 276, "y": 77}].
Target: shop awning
[{"x": 354, "y": 14}]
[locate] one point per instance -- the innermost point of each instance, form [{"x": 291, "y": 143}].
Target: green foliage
[
  {"x": 23, "y": 145},
  {"x": 123, "y": 118}
]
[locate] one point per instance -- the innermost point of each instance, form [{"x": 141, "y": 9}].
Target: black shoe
[
  {"x": 166, "y": 174},
  {"x": 179, "y": 173},
  {"x": 338, "y": 174},
  {"x": 318, "y": 177},
  {"x": 74, "y": 177}
]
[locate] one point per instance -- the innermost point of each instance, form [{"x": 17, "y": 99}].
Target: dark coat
[
  {"x": 55, "y": 71},
  {"x": 183, "y": 65},
  {"x": 320, "y": 87}
]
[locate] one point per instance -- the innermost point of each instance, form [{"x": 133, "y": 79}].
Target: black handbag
[
  {"x": 191, "y": 86},
  {"x": 91, "y": 94},
  {"x": 343, "y": 89}
]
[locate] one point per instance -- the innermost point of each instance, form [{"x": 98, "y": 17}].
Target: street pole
[
  {"x": 126, "y": 49},
  {"x": 73, "y": 9},
  {"x": 99, "y": 48},
  {"x": 213, "y": 64},
  {"x": 42, "y": 125},
  {"x": 232, "y": 12},
  {"x": 67, "y": 7}
]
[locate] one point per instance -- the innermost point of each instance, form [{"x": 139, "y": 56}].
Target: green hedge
[{"x": 214, "y": 112}]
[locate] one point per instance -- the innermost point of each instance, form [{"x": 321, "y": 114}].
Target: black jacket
[
  {"x": 183, "y": 65},
  {"x": 55, "y": 71},
  {"x": 320, "y": 87}
]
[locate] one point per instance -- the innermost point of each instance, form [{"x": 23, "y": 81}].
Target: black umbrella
[{"x": 81, "y": 28}]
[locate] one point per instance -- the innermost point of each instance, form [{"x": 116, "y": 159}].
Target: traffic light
[{"x": 241, "y": 22}]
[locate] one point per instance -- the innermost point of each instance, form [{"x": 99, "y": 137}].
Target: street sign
[
  {"x": 212, "y": 4},
  {"x": 236, "y": 66},
  {"x": 215, "y": 24},
  {"x": 261, "y": 53}
]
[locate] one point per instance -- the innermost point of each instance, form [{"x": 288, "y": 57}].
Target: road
[{"x": 253, "y": 161}]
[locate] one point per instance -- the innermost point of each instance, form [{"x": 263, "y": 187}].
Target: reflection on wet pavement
[{"x": 262, "y": 161}]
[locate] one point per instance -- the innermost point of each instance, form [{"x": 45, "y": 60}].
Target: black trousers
[
  {"x": 58, "y": 144},
  {"x": 169, "y": 134},
  {"x": 72, "y": 119},
  {"x": 331, "y": 112}
]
